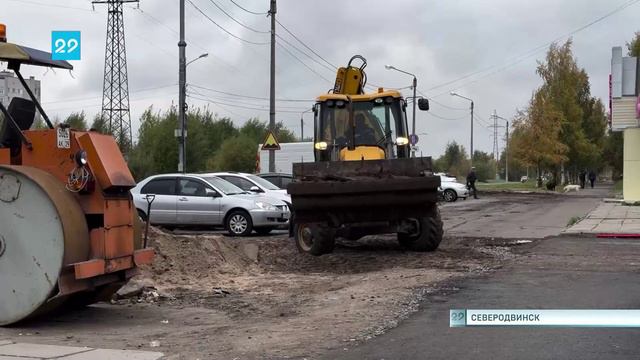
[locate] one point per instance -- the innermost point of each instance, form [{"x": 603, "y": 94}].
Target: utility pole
[
  {"x": 506, "y": 155},
  {"x": 301, "y": 129},
  {"x": 496, "y": 148},
  {"x": 182, "y": 83},
  {"x": 272, "y": 89},
  {"x": 453, "y": 93},
  {"x": 472, "y": 133},
  {"x": 506, "y": 148}
]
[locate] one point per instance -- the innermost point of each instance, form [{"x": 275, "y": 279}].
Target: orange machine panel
[
  {"x": 5, "y": 156},
  {"x": 106, "y": 161},
  {"x": 118, "y": 241},
  {"x": 118, "y": 212}
]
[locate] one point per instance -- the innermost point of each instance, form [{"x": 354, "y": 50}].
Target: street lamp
[
  {"x": 302, "y": 123},
  {"x": 182, "y": 132},
  {"x": 415, "y": 85},
  {"x": 466, "y": 98},
  {"x": 199, "y": 57}
]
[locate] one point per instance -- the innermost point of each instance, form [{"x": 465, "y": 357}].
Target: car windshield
[
  {"x": 376, "y": 122},
  {"x": 262, "y": 182},
  {"x": 223, "y": 185}
]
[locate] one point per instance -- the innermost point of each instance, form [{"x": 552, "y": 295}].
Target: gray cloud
[{"x": 437, "y": 40}]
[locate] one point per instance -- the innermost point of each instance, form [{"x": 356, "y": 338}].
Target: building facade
[
  {"x": 11, "y": 87},
  {"x": 625, "y": 114}
]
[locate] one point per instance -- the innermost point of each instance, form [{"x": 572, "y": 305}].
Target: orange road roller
[{"x": 69, "y": 232}]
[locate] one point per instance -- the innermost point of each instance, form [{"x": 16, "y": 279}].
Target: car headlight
[{"x": 265, "y": 206}]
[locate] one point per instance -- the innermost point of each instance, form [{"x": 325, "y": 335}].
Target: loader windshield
[{"x": 379, "y": 122}]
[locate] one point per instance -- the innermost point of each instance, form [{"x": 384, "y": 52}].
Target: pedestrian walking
[
  {"x": 583, "y": 176},
  {"x": 471, "y": 182},
  {"x": 592, "y": 177}
]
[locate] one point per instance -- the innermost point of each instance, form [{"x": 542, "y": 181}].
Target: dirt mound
[{"x": 194, "y": 261}]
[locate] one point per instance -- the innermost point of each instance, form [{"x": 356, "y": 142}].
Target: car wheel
[
  {"x": 142, "y": 215},
  {"x": 239, "y": 223},
  {"x": 450, "y": 195}
]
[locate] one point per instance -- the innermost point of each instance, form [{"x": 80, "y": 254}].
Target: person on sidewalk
[
  {"x": 592, "y": 178},
  {"x": 582, "y": 176},
  {"x": 471, "y": 182}
]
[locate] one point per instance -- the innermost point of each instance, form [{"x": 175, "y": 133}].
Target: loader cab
[{"x": 361, "y": 127}]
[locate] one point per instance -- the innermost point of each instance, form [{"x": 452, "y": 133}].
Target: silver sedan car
[{"x": 183, "y": 200}]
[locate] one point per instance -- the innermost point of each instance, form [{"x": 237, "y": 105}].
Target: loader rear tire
[
  {"x": 429, "y": 237},
  {"x": 314, "y": 239}
]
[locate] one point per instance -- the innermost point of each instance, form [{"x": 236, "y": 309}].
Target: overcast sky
[{"x": 496, "y": 42}]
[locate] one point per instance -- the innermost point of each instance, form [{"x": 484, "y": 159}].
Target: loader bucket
[{"x": 348, "y": 192}]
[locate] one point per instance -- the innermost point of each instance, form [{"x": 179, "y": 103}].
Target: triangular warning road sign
[{"x": 270, "y": 143}]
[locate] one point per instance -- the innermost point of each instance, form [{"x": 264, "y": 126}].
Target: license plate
[{"x": 64, "y": 138}]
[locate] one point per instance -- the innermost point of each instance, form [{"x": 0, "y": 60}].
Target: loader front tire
[
  {"x": 429, "y": 234},
  {"x": 314, "y": 239}
]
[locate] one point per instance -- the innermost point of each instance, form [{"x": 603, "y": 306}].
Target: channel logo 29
[{"x": 65, "y": 45}]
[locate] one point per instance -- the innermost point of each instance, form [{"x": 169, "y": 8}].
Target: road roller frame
[{"x": 86, "y": 178}]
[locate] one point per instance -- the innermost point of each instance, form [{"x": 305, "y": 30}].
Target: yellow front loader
[{"x": 363, "y": 180}]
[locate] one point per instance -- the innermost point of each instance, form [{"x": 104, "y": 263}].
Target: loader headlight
[
  {"x": 265, "y": 206},
  {"x": 322, "y": 145},
  {"x": 402, "y": 141},
  {"x": 81, "y": 158}
]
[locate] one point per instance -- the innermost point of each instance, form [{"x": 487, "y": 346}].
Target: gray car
[{"x": 187, "y": 200}]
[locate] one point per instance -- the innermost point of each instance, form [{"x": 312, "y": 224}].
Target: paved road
[
  {"x": 553, "y": 273},
  {"x": 525, "y": 216}
]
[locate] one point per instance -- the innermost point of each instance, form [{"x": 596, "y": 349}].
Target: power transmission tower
[
  {"x": 496, "y": 146},
  {"x": 115, "y": 92}
]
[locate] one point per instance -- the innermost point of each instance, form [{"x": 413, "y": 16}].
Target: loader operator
[{"x": 365, "y": 135}]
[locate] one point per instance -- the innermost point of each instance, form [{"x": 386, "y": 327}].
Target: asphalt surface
[{"x": 557, "y": 272}]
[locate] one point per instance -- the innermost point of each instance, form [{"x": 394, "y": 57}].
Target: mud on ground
[{"x": 270, "y": 301}]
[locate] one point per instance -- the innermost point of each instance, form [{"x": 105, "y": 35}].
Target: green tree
[
  {"x": 100, "y": 125},
  {"x": 634, "y": 45},
  {"x": 485, "y": 165},
  {"x": 157, "y": 148},
  {"x": 236, "y": 154},
  {"x": 454, "y": 160},
  {"x": 77, "y": 121},
  {"x": 536, "y": 138}
]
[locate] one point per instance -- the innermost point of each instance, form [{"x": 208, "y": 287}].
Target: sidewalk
[
  {"x": 23, "y": 351},
  {"x": 609, "y": 218}
]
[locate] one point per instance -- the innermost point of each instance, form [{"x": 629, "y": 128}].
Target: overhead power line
[
  {"x": 237, "y": 21},
  {"x": 237, "y": 101},
  {"x": 527, "y": 54},
  {"x": 307, "y": 46},
  {"x": 51, "y": 5},
  {"x": 248, "y": 96},
  {"x": 223, "y": 29},
  {"x": 242, "y": 106},
  {"x": 249, "y": 11},
  {"x": 446, "y": 118},
  {"x": 305, "y": 54},
  {"x": 441, "y": 104},
  {"x": 100, "y": 97},
  {"x": 303, "y": 63}
]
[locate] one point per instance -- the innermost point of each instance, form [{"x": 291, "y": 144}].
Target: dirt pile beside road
[{"x": 195, "y": 262}]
